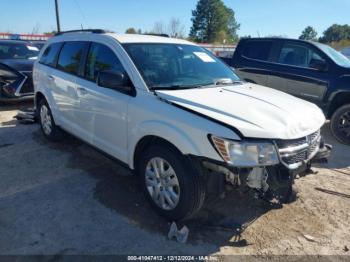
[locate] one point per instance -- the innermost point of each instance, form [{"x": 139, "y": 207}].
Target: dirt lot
[{"x": 69, "y": 199}]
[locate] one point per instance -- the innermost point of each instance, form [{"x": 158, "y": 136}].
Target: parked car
[
  {"x": 309, "y": 70},
  {"x": 38, "y": 44},
  {"x": 176, "y": 115},
  {"x": 16, "y": 66}
]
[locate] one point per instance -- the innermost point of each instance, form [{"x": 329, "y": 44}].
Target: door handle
[
  {"x": 82, "y": 90},
  {"x": 51, "y": 77}
]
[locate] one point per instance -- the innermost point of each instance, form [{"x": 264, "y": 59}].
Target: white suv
[{"x": 176, "y": 115}]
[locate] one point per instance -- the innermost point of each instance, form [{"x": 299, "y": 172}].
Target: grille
[
  {"x": 299, "y": 155},
  {"x": 291, "y": 143},
  {"x": 27, "y": 86}
]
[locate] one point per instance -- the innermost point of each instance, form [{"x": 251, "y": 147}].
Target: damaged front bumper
[{"x": 272, "y": 178}]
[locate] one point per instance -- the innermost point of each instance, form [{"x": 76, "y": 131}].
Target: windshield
[
  {"x": 172, "y": 66},
  {"x": 336, "y": 56},
  {"x": 18, "y": 51}
]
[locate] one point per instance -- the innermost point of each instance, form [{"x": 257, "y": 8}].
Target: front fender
[{"x": 163, "y": 130}]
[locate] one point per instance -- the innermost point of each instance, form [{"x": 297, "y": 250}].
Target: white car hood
[{"x": 256, "y": 111}]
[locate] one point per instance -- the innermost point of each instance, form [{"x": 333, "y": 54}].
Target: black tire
[
  {"x": 55, "y": 133},
  {"x": 336, "y": 126},
  {"x": 191, "y": 183}
]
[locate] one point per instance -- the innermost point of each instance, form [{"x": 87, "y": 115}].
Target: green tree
[
  {"x": 213, "y": 21},
  {"x": 131, "y": 30},
  {"x": 336, "y": 33},
  {"x": 309, "y": 33},
  {"x": 232, "y": 25}
]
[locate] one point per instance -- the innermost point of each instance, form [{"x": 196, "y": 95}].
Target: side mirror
[
  {"x": 115, "y": 80},
  {"x": 317, "y": 64}
]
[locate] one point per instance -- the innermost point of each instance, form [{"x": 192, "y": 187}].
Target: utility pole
[{"x": 57, "y": 17}]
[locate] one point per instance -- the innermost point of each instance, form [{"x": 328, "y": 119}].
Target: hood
[
  {"x": 256, "y": 111},
  {"x": 19, "y": 64}
]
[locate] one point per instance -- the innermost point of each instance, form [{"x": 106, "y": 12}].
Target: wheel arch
[
  {"x": 38, "y": 97},
  {"x": 161, "y": 133},
  {"x": 339, "y": 99},
  {"x": 147, "y": 141}
]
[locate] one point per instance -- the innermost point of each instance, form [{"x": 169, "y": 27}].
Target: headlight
[{"x": 246, "y": 154}]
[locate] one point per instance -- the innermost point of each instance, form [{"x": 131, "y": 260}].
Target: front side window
[
  {"x": 70, "y": 57},
  {"x": 50, "y": 54},
  {"x": 177, "y": 65},
  {"x": 18, "y": 51},
  {"x": 101, "y": 58},
  {"x": 336, "y": 56},
  {"x": 298, "y": 55},
  {"x": 259, "y": 50}
]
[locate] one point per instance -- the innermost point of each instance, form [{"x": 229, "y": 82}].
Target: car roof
[
  {"x": 278, "y": 39},
  {"x": 121, "y": 38},
  {"x": 136, "y": 38}
]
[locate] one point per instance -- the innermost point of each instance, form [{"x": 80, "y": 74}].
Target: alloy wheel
[
  {"x": 45, "y": 119},
  {"x": 162, "y": 183}
]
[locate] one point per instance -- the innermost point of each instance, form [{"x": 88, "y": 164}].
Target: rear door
[
  {"x": 44, "y": 78},
  {"x": 295, "y": 71},
  {"x": 69, "y": 66},
  {"x": 253, "y": 63}
]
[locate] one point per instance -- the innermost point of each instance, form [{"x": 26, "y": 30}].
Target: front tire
[
  {"x": 340, "y": 124},
  {"x": 47, "y": 123},
  {"x": 173, "y": 186}
]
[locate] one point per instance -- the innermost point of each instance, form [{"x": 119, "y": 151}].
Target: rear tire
[
  {"x": 175, "y": 177},
  {"x": 340, "y": 124},
  {"x": 47, "y": 123}
]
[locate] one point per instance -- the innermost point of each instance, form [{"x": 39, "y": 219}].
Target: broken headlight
[{"x": 246, "y": 153}]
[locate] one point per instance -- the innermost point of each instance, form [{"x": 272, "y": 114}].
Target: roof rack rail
[
  {"x": 162, "y": 35},
  {"x": 93, "y": 31}
]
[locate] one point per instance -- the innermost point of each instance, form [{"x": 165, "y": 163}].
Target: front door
[{"x": 103, "y": 111}]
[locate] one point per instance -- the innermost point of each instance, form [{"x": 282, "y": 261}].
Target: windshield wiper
[
  {"x": 174, "y": 87},
  {"x": 219, "y": 82}
]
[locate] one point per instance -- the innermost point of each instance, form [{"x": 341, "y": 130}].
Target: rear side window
[
  {"x": 101, "y": 58},
  {"x": 49, "y": 57},
  {"x": 259, "y": 50},
  {"x": 70, "y": 57}
]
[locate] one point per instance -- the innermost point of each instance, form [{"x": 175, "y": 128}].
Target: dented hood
[{"x": 256, "y": 111}]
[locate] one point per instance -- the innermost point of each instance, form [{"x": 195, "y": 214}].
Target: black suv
[{"x": 309, "y": 70}]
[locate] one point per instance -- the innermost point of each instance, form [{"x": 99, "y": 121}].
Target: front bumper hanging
[{"x": 323, "y": 154}]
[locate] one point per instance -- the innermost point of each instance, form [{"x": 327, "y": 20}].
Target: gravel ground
[{"x": 66, "y": 198}]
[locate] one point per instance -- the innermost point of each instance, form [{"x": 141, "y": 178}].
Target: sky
[{"x": 257, "y": 17}]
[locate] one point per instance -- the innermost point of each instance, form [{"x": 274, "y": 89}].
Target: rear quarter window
[
  {"x": 259, "y": 50},
  {"x": 49, "y": 57}
]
